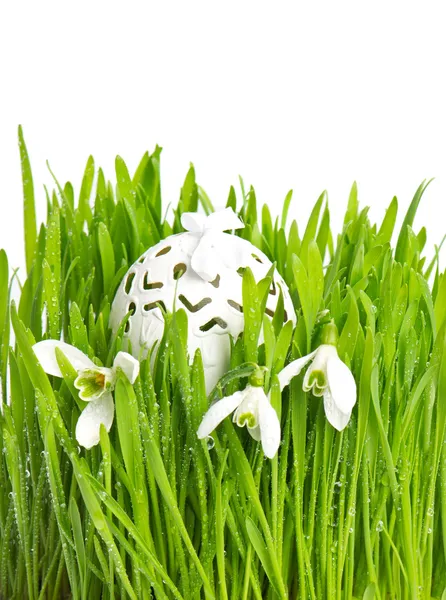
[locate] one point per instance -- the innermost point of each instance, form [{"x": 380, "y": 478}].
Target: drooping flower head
[
  {"x": 95, "y": 385},
  {"x": 326, "y": 376},
  {"x": 251, "y": 408}
]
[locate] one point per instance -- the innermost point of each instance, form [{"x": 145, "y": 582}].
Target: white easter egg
[{"x": 164, "y": 276}]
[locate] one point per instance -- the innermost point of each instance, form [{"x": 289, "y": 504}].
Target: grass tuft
[{"x": 153, "y": 512}]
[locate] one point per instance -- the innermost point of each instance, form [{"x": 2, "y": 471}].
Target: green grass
[{"x": 153, "y": 512}]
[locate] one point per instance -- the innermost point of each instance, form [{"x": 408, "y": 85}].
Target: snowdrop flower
[
  {"x": 251, "y": 407},
  {"x": 326, "y": 376},
  {"x": 95, "y": 385}
]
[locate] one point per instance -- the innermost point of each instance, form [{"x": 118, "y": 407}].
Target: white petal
[
  {"x": 255, "y": 433},
  {"x": 193, "y": 222},
  {"x": 223, "y": 220},
  {"x": 306, "y": 379},
  {"x": 95, "y": 413},
  {"x": 269, "y": 426},
  {"x": 323, "y": 353},
  {"x": 335, "y": 417},
  {"x": 46, "y": 354},
  {"x": 293, "y": 369},
  {"x": 217, "y": 412},
  {"x": 128, "y": 364},
  {"x": 342, "y": 384}
]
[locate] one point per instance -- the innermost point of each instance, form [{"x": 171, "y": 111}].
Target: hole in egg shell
[
  {"x": 155, "y": 285},
  {"x": 235, "y": 305},
  {"x": 131, "y": 308},
  {"x": 216, "y": 282},
  {"x": 129, "y": 282},
  {"x": 194, "y": 307},
  {"x": 213, "y": 322},
  {"x": 255, "y": 257},
  {"x": 142, "y": 259},
  {"x": 241, "y": 271},
  {"x": 273, "y": 290},
  {"x": 179, "y": 270},
  {"x": 153, "y": 305},
  {"x": 164, "y": 250}
]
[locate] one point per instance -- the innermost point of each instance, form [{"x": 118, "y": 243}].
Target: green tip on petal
[
  {"x": 247, "y": 419},
  {"x": 92, "y": 384},
  {"x": 317, "y": 380}
]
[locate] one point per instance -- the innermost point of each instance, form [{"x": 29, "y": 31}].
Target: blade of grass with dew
[
  {"x": 4, "y": 321},
  {"x": 28, "y": 203}
]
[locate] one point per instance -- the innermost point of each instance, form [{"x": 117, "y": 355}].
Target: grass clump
[{"x": 153, "y": 512}]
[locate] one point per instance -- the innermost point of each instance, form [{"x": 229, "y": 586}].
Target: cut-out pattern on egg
[{"x": 164, "y": 277}]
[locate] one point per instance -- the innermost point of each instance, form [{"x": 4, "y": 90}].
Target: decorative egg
[{"x": 200, "y": 271}]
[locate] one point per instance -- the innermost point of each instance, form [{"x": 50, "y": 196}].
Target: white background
[{"x": 302, "y": 95}]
